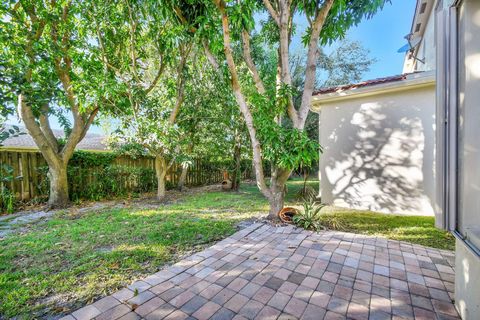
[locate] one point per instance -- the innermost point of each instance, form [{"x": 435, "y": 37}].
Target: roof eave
[{"x": 413, "y": 81}]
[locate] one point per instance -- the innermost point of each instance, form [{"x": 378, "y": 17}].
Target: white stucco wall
[
  {"x": 379, "y": 151},
  {"x": 467, "y": 282}
]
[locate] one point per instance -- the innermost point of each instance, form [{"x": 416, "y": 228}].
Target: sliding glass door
[{"x": 467, "y": 105}]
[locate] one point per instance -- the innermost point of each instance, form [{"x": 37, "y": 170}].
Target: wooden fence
[{"x": 29, "y": 170}]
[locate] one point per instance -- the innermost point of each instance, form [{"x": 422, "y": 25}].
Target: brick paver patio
[{"x": 266, "y": 272}]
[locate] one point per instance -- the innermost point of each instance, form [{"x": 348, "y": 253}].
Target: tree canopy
[
  {"x": 182, "y": 78},
  {"x": 275, "y": 124}
]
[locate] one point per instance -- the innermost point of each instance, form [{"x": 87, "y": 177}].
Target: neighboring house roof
[
  {"x": 91, "y": 141},
  {"x": 372, "y": 87},
  {"x": 361, "y": 84}
]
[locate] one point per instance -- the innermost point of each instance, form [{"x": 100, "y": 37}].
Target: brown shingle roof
[{"x": 90, "y": 142}]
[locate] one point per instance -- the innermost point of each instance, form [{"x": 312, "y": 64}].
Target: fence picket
[{"x": 25, "y": 172}]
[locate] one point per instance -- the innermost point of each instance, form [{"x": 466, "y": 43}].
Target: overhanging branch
[{"x": 311, "y": 63}]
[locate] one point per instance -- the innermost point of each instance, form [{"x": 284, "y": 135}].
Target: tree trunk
[
  {"x": 237, "y": 171},
  {"x": 183, "y": 177},
  {"x": 186, "y": 164},
  {"x": 277, "y": 191},
  {"x": 57, "y": 174},
  {"x": 305, "y": 178},
  {"x": 46, "y": 142},
  {"x": 161, "y": 186},
  {"x": 311, "y": 63},
  {"x": 283, "y": 18},
  {"x": 276, "y": 201},
  {"x": 160, "y": 169},
  {"x": 242, "y": 103}
]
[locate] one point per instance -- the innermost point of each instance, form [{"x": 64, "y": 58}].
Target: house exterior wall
[
  {"x": 467, "y": 282},
  {"x": 426, "y": 50},
  {"x": 379, "y": 151}
]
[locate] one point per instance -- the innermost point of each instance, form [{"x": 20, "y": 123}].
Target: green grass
[
  {"x": 74, "y": 258},
  {"x": 414, "y": 229}
]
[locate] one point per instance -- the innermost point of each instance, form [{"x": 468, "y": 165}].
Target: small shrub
[
  {"x": 307, "y": 193},
  {"x": 309, "y": 219},
  {"x": 7, "y": 201},
  {"x": 7, "y": 198},
  {"x": 333, "y": 222},
  {"x": 169, "y": 185}
]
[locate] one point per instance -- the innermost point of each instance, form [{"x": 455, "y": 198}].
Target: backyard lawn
[{"x": 75, "y": 258}]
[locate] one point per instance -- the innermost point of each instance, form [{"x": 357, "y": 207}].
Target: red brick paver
[{"x": 266, "y": 272}]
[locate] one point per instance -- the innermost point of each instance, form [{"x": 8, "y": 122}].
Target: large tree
[
  {"x": 148, "y": 54},
  {"x": 277, "y": 129},
  {"x": 52, "y": 68},
  {"x": 211, "y": 121},
  {"x": 208, "y": 116}
]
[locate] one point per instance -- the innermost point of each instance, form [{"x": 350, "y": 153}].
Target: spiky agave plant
[{"x": 310, "y": 217}]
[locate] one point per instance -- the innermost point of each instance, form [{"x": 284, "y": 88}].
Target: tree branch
[
  {"x": 74, "y": 137},
  {"x": 63, "y": 71},
  {"x": 45, "y": 127},
  {"x": 170, "y": 164},
  {"x": 283, "y": 60},
  {"x": 36, "y": 133},
  {"x": 184, "y": 53},
  {"x": 104, "y": 53},
  {"x": 79, "y": 130},
  {"x": 311, "y": 63},
  {"x": 211, "y": 58},
  {"x": 31, "y": 39},
  {"x": 133, "y": 30},
  {"x": 184, "y": 21},
  {"x": 247, "y": 55},
  {"x": 257, "y": 151},
  {"x": 272, "y": 11},
  {"x": 157, "y": 77},
  {"x": 88, "y": 123}
]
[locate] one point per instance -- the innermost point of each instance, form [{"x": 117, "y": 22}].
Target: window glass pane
[{"x": 468, "y": 219}]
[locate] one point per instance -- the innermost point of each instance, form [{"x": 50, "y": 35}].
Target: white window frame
[{"x": 447, "y": 119}]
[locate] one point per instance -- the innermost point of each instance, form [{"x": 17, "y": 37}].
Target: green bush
[
  {"x": 105, "y": 182},
  {"x": 92, "y": 159},
  {"x": 109, "y": 181},
  {"x": 95, "y": 176},
  {"x": 7, "y": 198},
  {"x": 7, "y": 201}
]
